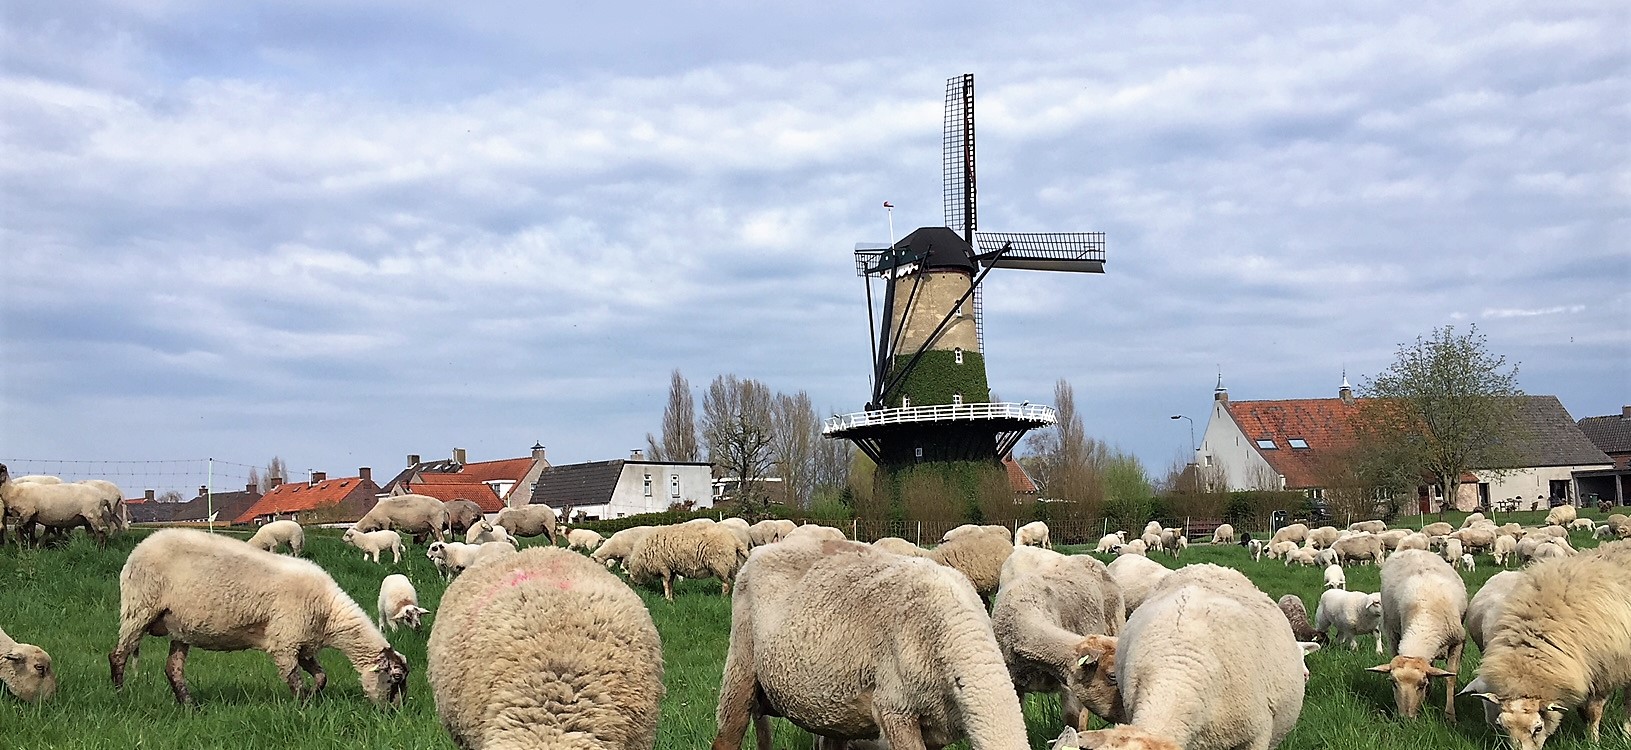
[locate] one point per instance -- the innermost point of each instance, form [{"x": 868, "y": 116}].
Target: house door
[
  {"x": 1483, "y": 494},
  {"x": 1559, "y": 491}
]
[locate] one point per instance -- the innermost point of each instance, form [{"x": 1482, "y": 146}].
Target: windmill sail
[{"x": 957, "y": 157}]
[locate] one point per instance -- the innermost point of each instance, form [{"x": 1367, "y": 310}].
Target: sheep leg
[
  {"x": 1453, "y": 666},
  {"x": 129, "y": 647},
  {"x": 319, "y": 678},
  {"x": 396, "y": 554},
  {"x": 901, "y": 732},
  {"x": 173, "y": 670},
  {"x": 1591, "y": 712},
  {"x": 668, "y": 587},
  {"x": 288, "y": 665}
]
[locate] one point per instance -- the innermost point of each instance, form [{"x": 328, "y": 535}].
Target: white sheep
[
  {"x": 739, "y": 527},
  {"x": 1373, "y": 527},
  {"x": 1452, "y": 550},
  {"x": 491, "y": 551},
  {"x": 1152, "y": 542},
  {"x": 1467, "y": 563},
  {"x": 617, "y": 547},
  {"x": 1322, "y": 537},
  {"x": 1582, "y": 524},
  {"x": 1562, "y": 515},
  {"x": 1023, "y": 560},
  {"x": 1296, "y": 533},
  {"x": 1472, "y": 520},
  {"x": 580, "y": 662},
  {"x": 1619, "y": 524},
  {"x": 977, "y": 555},
  {"x": 1352, "y": 613},
  {"x": 372, "y": 543},
  {"x": 1603, "y": 532},
  {"x": 1417, "y": 540},
  {"x": 1153, "y": 527},
  {"x": 1135, "y": 547},
  {"x": 1487, "y": 605},
  {"x": 770, "y": 531},
  {"x": 1563, "y": 640},
  {"x": 1255, "y": 548},
  {"x": 1437, "y": 528},
  {"x": 1279, "y": 550},
  {"x": 1033, "y": 534},
  {"x": 1136, "y": 576},
  {"x": 420, "y": 516},
  {"x": 1108, "y": 543},
  {"x": 26, "y": 670},
  {"x": 479, "y": 532},
  {"x": 285, "y": 606},
  {"x": 54, "y": 506},
  {"x": 585, "y": 539},
  {"x": 1184, "y": 687},
  {"x": 691, "y": 550},
  {"x": 898, "y": 546},
  {"x": 817, "y": 532},
  {"x": 1223, "y": 534},
  {"x": 1043, "y": 617},
  {"x": 453, "y": 558},
  {"x": 528, "y": 521},
  {"x": 1423, "y": 603},
  {"x": 1481, "y": 538},
  {"x": 1548, "y": 550},
  {"x": 1360, "y": 548},
  {"x": 278, "y": 534},
  {"x": 849, "y": 642},
  {"x": 1335, "y": 578},
  {"x": 1505, "y": 546},
  {"x": 1327, "y": 557},
  {"x": 398, "y": 603},
  {"x": 1301, "y": 556}
]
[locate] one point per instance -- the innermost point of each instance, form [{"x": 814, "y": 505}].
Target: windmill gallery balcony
[{"x": 974, "y": 431}]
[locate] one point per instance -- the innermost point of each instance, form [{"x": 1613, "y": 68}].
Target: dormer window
[
  {"x": 1298, "y": 443},
  {"x": 905, "y": 402},
  {"x": 957, "y": 354},
  {"x": 1267, "y": 444},
  {"x": 957, "y": 399}
]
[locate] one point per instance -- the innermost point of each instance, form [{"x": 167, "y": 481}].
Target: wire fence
[{"x": 183, "y": 476}]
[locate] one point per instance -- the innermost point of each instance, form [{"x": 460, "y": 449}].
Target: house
[
  {"x": 1612, "y": 435},
  {"x": 511, "y": 480},
  {"x": 1292, "y": 444},
  {"x": 206, "y": 507},
  {"x": 318, "y": 500},
  {"x": 624, "y": 487}
]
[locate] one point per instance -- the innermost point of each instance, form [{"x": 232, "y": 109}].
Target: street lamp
[{"x": 1191, "y": 436}]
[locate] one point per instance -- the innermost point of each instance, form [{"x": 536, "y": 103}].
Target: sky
[{"x": 344, "y": 232}]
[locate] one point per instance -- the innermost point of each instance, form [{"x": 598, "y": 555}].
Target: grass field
[{"x": 66, "y": 601}]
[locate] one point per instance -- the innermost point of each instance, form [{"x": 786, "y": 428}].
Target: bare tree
[
  {"x": 736, "y": 427},
  {"x": 679, "y": 438},
  {"x": 831, "y": 468},
  {"x": 254, "y": 479},
  {"x": 275, "y": 470},
  {"x": 794, "y": 432}
]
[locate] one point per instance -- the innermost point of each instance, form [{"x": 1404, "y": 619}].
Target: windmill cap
[{"x": 939, "y": 247}]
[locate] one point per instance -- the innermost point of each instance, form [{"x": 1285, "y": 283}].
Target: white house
[{"x": 624, "y": 487}]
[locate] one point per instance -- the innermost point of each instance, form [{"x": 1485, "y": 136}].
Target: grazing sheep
[
  {"x": 770, "y": 531},
  {"x": 1136, "y": 576},
  {"x": 817, "y": 532},
  {"x": 1601, "y": 532},
  {"x": 619, "y": 545},
  {"x": 277, "y": 534},
  {"x": 581, "y": 666},
  {"x": 528, "y": 521},
  {"x": 1437, "y": 528},
  {"x": 1504, "y": 547},
  {"x": 1361, "y": 548},
  {"x": 1042, "y": 619},
  {"x": 740, "y": 528},
  {"x": 1526, "y": 546},
  {"x": 1296, "y": 532},
  {"x": 1152, "y": 542},
  {"x": 977, "y": 555},
  {"x": 1134, "y": 547},
  {"x": 1022, "y": 561},
  {"x": 1335, "y": 578},
  {"x": 1582, "y": 524},
  {"x": 1223, "y": 534},
  {"x": 26, "y": 671},
  {"x": 1548, "y": 550},
  {"x": 452, "y": 558},
  {"x": 492, "y": 551},
  {"x": 421, "y": 516},
  {"x": 691, "y": 550},
  {"x": 848, "y": 642},
  {"x": 374, "y": 542},
  {"x": 587, "y": 540},
  {"x": 1619, "y": 524},
  {"x": 54, "y": 506},
  {"x": 284, "y": 606},
  {"x": 1296, "y": 614},
  {"x": 1184, "y": 687},
  {"x": 1352, "y": 613},
  {"x": 1392, "y": 537},
  {"x": 1370, "y": 527},
  {"x": 960, "y": 530},
  {"x": 898, "y": 546},
  {"x": 462, "y": 514},
  {"x": 1108, "y": 543},
  {"x": 1423, "y": 603},
  {"x": 1322, "y": 537},
  {"x": 1562, "y": 515},
  {"x": 1280, "y": 550},
  {"x": 1033, "y": 534},
  {"x": 1481, "y": 538},
  {"x": 1327, "y": 557},
  {"x": 113, "y": 501},
  {"x": 1563, "y": 640},
  {"x": 484, "y": 532},
  {"x": 1472, "y": 519},
  {"x": 1467, "y": 563},
  {"x": 1554, "y": 532},
  {"x": 399, "y": 603},
  {"x": 1301, "y": 556},
  {"x": 1487, "y": 605},
  {"x": 1417, "y": 540}
]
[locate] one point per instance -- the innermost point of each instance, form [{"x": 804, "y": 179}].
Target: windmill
[{"x": 930, "y": 399}]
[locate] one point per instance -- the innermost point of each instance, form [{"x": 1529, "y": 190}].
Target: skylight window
[
  {"x": 1266, "y": 444},
  {"x": 1298, "y": 443}
]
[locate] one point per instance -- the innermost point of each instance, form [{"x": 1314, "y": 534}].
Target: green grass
[{"x": 66, "y": 601}]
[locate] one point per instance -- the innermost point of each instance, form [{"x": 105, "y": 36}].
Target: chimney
[
  {"x": 365, "y": 473},
  {"x": 318, "y": 476},
  {"x": 148, "y": 495},
  {"x": 538, "y": 448},
  {"x": 1346, "y": 392},
  {"x": 637, "y": 455},
  {"x": 1625, "y": 412},
  {"x": 413, "y": 459},
  {"x": 203, "y": 490},
  {"x": 273, "y": 483},
  {"x": 251, "y": 488},
  {"x": 458, "y": 456}
]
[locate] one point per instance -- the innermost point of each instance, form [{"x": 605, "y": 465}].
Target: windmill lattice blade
[
  {"x": 957, "y": 157},
  {"x": 1082, "y": 252}
]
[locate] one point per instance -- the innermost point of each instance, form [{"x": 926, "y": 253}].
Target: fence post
[
  {"x": 920, "y": 533},
  {"x": 853, "y": 529}
]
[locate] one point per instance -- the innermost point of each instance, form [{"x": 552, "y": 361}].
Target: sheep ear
[
  {"x": 1308, "y": 648},
  {"x": 1558, "y": 707},
  {"x": 1067, "y": 739},
  {"x": 1436, "y": 672},
  {"x": 1093, "y": 648},
  {"x": 1383, "y": 668},
  {"x": 14, "y": 656}
]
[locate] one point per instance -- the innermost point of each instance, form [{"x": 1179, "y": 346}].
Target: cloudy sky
[{"x": 345, "y": 232}]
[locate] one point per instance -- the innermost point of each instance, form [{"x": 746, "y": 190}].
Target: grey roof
[
  {"x": 572, "y": 485},
  {"x": 940, "y": 248},
  {"x": 1550, "y": 437},
  {"x": 1611, "y": 434},
  {"x": 227, "y": 506}
]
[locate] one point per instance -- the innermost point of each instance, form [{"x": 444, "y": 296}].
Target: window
[
  {"x": 959, "y": 310},
  {"x": 648, "y": 485},
  {"x": 1298, "y": 443},
  {"x": 1267, "y": 444},
  {"x": 905, "y": 401},
  {"x": 674, "y": 485},
  {"x": 957, "y": 354},
  {"x": 957, "y": 399}
]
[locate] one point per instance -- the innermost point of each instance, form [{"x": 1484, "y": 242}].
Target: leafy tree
[
  {"x": 736, "y": 427},
  {"x": 1445, "y": 406},
  {"x": 679, "y": 439}
]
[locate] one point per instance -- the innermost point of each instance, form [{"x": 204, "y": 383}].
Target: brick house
[
  {"x": 510, "y": 480},
  {"x": 219, "y": 507},
  {"x": 624, "y": 487},
  {"x": 1612, "y": 435},
  {"x": 319, "y": 500}
]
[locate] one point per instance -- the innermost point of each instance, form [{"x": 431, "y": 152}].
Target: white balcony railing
[{"x": 1043, "y": 415}]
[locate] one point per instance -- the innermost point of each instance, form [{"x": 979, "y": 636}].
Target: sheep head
[
  {"x": 1093, "y": 680},
  {"x": 1410, "y": 675},
  {"x": 411, "y": 614},
  {"x": 1528, "y": 722},
  {"x": 26, "y": 671},
  {"x": 385, "y": 682},
  {"x": 1124, "y": 737}
]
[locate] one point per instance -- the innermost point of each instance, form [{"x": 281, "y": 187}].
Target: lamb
[
  {"x": 1563, "y": 640},
  {"x": 484, "y": 533},
  {"x": 462, "y": 514},
  {"x": 1582, "y": 524},
  {"x": 374, "y": 542},
  {"x": 1043, "y": 618},
  {"x": 492, "y": 551},
  {"x": 617, "y": 547},
  {"x": 1108, "y": 544},
  {"x": 1178, "y": 546},
  {"x": 1033, "y": 534},
  {"x": 582, "y": 662},
  {"x": 690, "y": 550},
  {"x": 977, "y": 555},
  {"x": 452, "y": 558},
  {"x": 1562, "y": 515},
  {"x": 1371, "y": 527},
  {"x": 1352, "y": 613},
  {"x": 770, "y": 531},
  {"x": 1151, "y": 542},
  {"x": 1255, "y": 548},
  {"x": 1300, "y": 556},
  {"x": 528, "y": 521},
  {"x": 1296, "y": 532},
  {"x": 1136, "y": 576},
  {"x": 1361, "y": 548},
  {"x": 277, "y": 534},
  {"x": 898, "y": 546},
  {"x": 1170, "y": 667},
  {"x": 1603, "y": 531},
  {"x": 1504, "y": 547},
  {"x": 422, "y": 516},
  {"x": 399, "y": 603},
  {"x": 1223, "y": 534},
  {"x": 1487, "y": 605},
  {"x": 1170, "y": 537},
  {"x": 1335, "y": 578},
  {"x": 1322, "y": 537},
  {"x": 1467, "y": 563},
  {"x": 588, "y": 540},
  {"x": 54, "y": 506},
  {"x": 1296, "y": 614},
  {"x": 1423, "y": 603},
  {"x": 1472, "y": 519},
  {"x": 26, "y": 671},
  {"x": 848, "y": 642},
  {"x": 285, "y": 606},
  {"x": 1280, "y": 550},
  {"x": 1326, "y": 558}
]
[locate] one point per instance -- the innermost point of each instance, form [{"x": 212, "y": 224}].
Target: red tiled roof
[
  {"x": 1323, "y": 423},
  {"x": 444, "y": 491},
  {"x": 511, "y": 469},
  {"x": 1018, "y": 480},
  {"x": 299, "y": 497}
]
